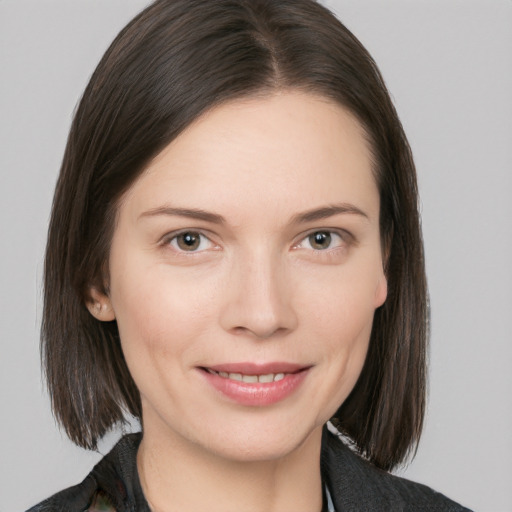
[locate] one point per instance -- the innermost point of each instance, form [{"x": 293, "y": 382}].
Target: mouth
[
  {"x": 253, "y": 384},
  {"x": 253, "y": 373},
  {"x": 250, "y": 379}
]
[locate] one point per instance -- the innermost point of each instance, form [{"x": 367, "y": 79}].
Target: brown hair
[{"x": 170, "y": 64}]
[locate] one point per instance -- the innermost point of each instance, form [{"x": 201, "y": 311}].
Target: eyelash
[
  {"x": 344, "y": 240},
  {"x": 173, "y": 241}
]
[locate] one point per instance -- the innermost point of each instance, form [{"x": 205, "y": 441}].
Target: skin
[{"x": 256, "y": 288}]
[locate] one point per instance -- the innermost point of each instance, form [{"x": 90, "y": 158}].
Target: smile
[
  {"x": 250, "y": 379},
  {"x": 255, "y": 385}
]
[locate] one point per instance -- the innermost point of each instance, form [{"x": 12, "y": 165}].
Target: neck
[{"x": 177, "y": 475}]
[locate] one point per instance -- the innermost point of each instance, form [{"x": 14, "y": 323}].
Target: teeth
[{"x": 251, "y": 379}]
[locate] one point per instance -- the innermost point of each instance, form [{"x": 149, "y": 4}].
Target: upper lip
[{"x": 251, "y": 368}]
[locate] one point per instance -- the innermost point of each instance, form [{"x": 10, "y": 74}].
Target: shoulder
[
  {"x": 357, "y": 485},
  {"x": 107, "y": 487},
  {"x": 77, "y": 497}
]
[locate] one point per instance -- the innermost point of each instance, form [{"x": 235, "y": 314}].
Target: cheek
[
  {"x": 346, "y": 330},
  {"x": 158, "y": 314},
  {"x": 341, "y": 322},
  {"x": 342, "y": 304}
]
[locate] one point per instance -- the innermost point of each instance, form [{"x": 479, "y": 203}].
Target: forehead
[{"x": 294, "y": 148}]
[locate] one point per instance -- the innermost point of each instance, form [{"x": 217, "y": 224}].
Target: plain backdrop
[{"x": 448, "y": 65}]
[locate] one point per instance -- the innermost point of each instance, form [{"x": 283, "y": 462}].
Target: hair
[{"x": 170, "y": 64}]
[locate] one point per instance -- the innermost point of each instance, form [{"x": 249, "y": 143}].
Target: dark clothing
[{"x": 355, "y": 485}]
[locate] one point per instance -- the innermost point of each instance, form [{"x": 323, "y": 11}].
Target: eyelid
[
  {"x": 347, "y": 237},
  {"x": 169, "y": 237}
]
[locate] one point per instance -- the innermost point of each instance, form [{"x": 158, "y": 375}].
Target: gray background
[{"x": 448, "y": 65}]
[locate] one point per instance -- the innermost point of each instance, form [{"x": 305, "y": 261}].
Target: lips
[
  {"x": 250, "y": 368},
  {"x": 250, "y": 379},
  {"x": 255, "y": 384}
]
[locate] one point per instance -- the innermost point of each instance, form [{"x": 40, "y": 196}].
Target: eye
[
  {"x": 321, "y": 240},
  {"x": 190, "y": 241}
]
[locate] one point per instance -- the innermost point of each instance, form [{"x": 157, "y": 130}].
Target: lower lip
[{"x": 258, "y": 393}]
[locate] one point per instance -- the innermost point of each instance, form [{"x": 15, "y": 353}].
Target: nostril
[{"x": 260, "y": 333}]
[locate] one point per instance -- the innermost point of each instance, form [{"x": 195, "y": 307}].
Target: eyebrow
[
  {"x": 192, "y": 213},
  {"x": 326, "y": 212},
  {"x": 301, "y": 218}
]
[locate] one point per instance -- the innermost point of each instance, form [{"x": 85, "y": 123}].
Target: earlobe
[{"x": 100, "y": 306}]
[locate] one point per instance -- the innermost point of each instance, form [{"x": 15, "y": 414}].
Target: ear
[
  {"x": 99, "y": 306},
  {"x": 381, "y": 292}
]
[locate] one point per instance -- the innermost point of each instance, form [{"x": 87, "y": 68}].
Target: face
[{"x": 245, "y": 270}]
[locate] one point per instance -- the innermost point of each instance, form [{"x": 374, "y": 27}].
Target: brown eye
[
  {"x": 189, "y": 241},
  {"x": 320, "y": 240}
]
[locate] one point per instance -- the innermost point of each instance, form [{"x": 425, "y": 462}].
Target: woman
[{"x": 235, "y": 258}]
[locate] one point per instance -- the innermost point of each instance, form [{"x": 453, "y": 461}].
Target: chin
[{"x": 261, "y": 444}]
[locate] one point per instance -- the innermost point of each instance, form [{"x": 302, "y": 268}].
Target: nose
[{"x": 258, "y": 301}]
